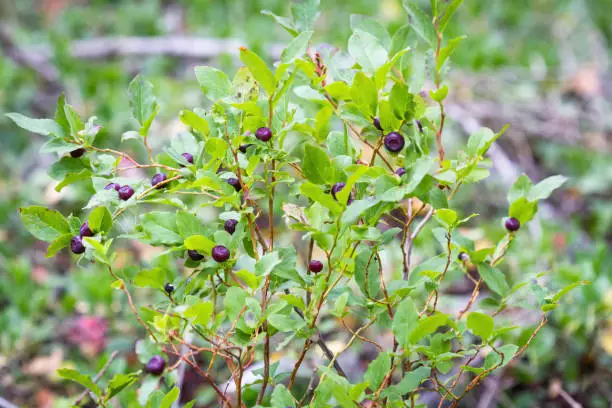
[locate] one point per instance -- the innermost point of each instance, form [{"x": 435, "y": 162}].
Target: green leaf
[
  {"x": 43, "y": 127},
  {"x": 73, "y": 178},
  {"x": 339, "y": 144},
  {"x": 448, "y": 13},
  {"x": 296, "y": 48},
  {"x": 480, "y": 139},
  {"x": 383, "y": 71},
  {"x": 354, "y": 211},
  {"x": 402, "y": 102},
  {"x": 259, "y": 69},
  {"x": 427, "y": 326},
  {"x": 377, "y": 370},
  {"x": 481, "y": 324},
  {"x": 388, "y": 119},
  {"x": 447, "y": 51},
  {"x": 194, "y": 121},
  {"x": 520, "y": 188},
  {"x": 364, "y": 94},
  {"x": 447, "y": 217},
  {"x": 160, "y": 226},
  {"x": 99, "y": 251},
  {"x": 340, "y": 305},
  {"x": 367, "y": 51},
  {"x": 150, "y": 278},
  {"x": 544, "y": 188},
  {"x": 169, "y": 398},
  {"x": 117, "y": 284},
  {"x": 405, "y": 321},
  {"x": 100, "y": 220},
  {"x": 371, "y": 26},
  {"x": 281, "y": 397},
  {"x": 413, "y": 379},
  {"x": 266, "y": 264},
  {"x": 439, "y": 94},
  {"x": 215, "y": 84},
  {"x": 200, "y": 243},
  {"x": 143, "y": 103},
  {"x": 248, "y": 277},
  {"x": 67, "y": 166},
  {"x": 201, "y": 312},
  {"x": 246, "y": 89},
  {"x": 315, "y": 193},
  {"x": 188, "y": 224},
  {"x": 410, "y": 382},
  {"x": 322, "y": 122},
  {"x": 82, "y": 379},
  {"x": 44, "y": 224},
  {"x": 418, "y": 171},
  {"x": 285, "y": 22},
  {"x": 494, "y": 278},
  {"x": 305, "y": 13},
  {"x": 285, "y": 323},
  {"x": 567, "y": 289},
  {"x": 523, "y": 210},
  {"x": 118, "y": 383},
  {"x": 421, "y": 23},
  {"x": 234, "y": 301},
  {"x": 367, "y": 274},
  {"x": 60, "y": 115},
  {"x": 493, "y": 359},
  {"x": 316, "y": 165},
  {"x": 58, "y": 244}
]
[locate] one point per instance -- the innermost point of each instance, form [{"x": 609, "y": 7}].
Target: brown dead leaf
[
  {"x": 585, "y": 83},
  {"x": 45, "y": 398},
  {"x": 45, "y": 365},
  {"x": 606, "y": 339}
]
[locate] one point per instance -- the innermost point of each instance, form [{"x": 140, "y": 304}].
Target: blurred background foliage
[{"x": 551, "y": 56}]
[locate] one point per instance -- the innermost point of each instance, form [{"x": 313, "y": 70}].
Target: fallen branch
[{"x": 199, "y": 48}]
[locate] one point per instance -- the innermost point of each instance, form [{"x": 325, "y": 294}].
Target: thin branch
[
  {"x": 134, "y": 311},
  {"x": 98, "y": 376}
]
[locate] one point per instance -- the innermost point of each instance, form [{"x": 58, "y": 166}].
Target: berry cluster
[
  {"x": 125, "y": 192},
  {"x": 76, "y": 243}
]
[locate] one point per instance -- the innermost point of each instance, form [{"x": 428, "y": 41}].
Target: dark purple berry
[
  {"x": 76, "y": 245},
  {"x": 195, "y": 255},
  {"x": 394, "y": 142},
  {"x": 76, "y": 153},
  {"x": 230, "y": 226},
  {"x": 264, "y": 134},
  {"x": 419, "y": 126},
  {"x": 158, "y": 178},
  {"x": 169, "y": 288},
  {"x": 234, "y": 182},
  {"x": 463, "y": 256},
  {"x": 400, "y": 172},
  {"x": 512, "y": 224},
  {"x": 188, "y": 157},
  {"x": 85, "y": 231},
  {"x": 336, "y": 188},
  {"x": 125, "y": 192},
  {"x": 112, "y": 186},
  {"x": 220, "y": 253},
  {"x": 376, "y": 123},
  {"x": 243, "y": 148},
  {"x": 315, "y": 266},
  {"x": 156, "y": 365}
]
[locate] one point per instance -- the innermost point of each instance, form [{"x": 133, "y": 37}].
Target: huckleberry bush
[{"x": 320, "y": 174}]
